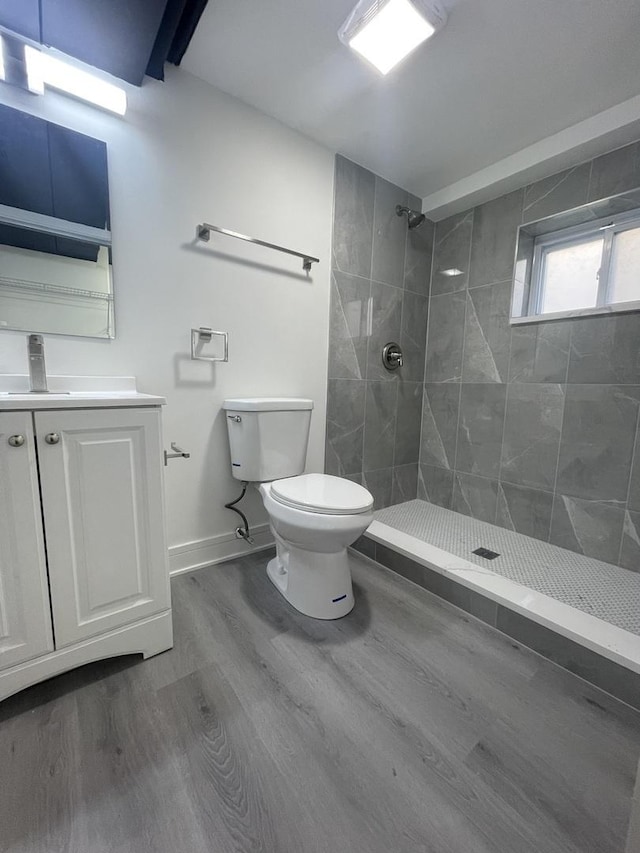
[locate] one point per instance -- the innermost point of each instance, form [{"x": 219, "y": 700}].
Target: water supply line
[{"x": 242, "y": 532}]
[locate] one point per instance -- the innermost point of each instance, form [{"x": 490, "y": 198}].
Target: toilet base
[{"x": 318, "y": 585}]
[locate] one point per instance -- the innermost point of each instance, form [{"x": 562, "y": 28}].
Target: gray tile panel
[
  {"x": 452, "y": 248},
  {"x": 475, "y": 496},
  {"x": 348, "y": 326},
  {"x": 445, "y": 337},
  {"x": 408, "y": 422},
  {"x": 380, "y": 425},
  {"x": 389, "y": 234},
  {"x": 493, "y": 243},
  {"x": 615, "y": 172},
  {"x": 531, "y": 438},
  {"x": 540, "y": 352},
  {"x": 487, "y": 334},
  {"x": 557, "y": 193},
  {"x": 345, "y": 426},
  {"x": 480, "y": 429},
  {"x": 598, "y": 435},
  {"x": 440, "y": 407},
  {"x": 435, "y": 485},
  {"x": 353, "y": 218}
]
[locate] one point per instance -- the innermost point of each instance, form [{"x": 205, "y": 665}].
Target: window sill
[{"x": 618, "y": 308}]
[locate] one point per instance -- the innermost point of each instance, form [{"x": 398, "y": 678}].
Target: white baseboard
[{"x": 216, "y": 549}]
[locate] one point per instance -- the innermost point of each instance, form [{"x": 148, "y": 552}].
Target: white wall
[{"x": 186, "y": 153}]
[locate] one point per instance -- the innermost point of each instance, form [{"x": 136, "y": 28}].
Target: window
[{"x": 591, "y": 268}]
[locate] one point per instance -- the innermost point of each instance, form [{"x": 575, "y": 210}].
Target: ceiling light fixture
[
  {"x": 451, "y": 272},
  {"x": 385, "y": 31},
  {"x": 45, "y": 70},
  {"x": 3, "y": 73}
]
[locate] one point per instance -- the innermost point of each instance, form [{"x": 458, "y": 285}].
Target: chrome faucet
[{"x": 37, "y": 368}]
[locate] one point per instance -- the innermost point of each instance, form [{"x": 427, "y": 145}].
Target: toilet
[{"x": 314, "y": 517}]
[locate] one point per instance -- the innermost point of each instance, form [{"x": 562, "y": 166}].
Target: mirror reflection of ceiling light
[
  {"x": 44, "y": 70},
  {"x": 451, "y": 272},
  {"x": 2, "y": 71},
  {"x": 385, "y": 31}
]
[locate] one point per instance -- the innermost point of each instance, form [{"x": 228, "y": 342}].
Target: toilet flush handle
[{"x": 235, "y": 418}]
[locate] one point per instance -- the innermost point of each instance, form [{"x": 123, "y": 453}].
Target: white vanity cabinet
[
  {"x": 25, "y": 614},
  {"x": 83, "y": 557}
]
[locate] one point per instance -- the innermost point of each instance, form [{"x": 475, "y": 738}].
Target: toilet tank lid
[{"x": 267, "y": 404}]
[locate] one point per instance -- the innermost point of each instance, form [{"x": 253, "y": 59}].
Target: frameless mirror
[
  {"x": 55, "y": 237},
  {"x": 583, "y": 261}
]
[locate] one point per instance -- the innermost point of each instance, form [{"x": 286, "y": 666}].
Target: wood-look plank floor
[{"x": 407, "y": 726}]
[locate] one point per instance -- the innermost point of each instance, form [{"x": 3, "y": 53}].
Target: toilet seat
[{"x": 323, "y": 494}]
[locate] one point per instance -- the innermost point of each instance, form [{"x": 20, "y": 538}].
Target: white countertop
[
  {"x": 78, "y": 400},
  {"x": 74, "y": 392}
]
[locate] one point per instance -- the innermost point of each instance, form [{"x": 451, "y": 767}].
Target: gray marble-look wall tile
[
  {"x": 404, "y": 483},
  {"x": 440, "y": 408},
  {"x": 493, "y": 243},
  {"x": 557, "y": 193},
  {"x": 598, "y": 434},
  {"x": 630, "y": 550},
  {"x": 487, "y": 335},
  {"x": 605, "y": 350},
  {"x": 418, "y": 254},
  {"x": 348, "y": 326},
  {"x": 445, "y": 338},
  {"x": 409, "y": 417},
  {"x": 345, "y": 426},
  {"x": 380, "y": 425},
  {"x": 532, "y": 429},
  {"x": 525, "y": 510},
  {"x": 592, "y": 528},
  {"x": 480, "y": 426},
  {"x": 380, "y": 484},
  {"x": 435, "y": 485},
  {"x": 475, "y": 496},
  {"x": 451, "y": 251},
  {"x": 540, "y": 352},
  {"x": 413, "y": 336},
  {"x": 615, "y": 172},
  {"x": 353, "y": 218},
  {"x": 386, "y": 325},
  {"x": 389, "y": 234}
]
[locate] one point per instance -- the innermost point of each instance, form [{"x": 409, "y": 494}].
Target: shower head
[{"x": 414, "y": 219}]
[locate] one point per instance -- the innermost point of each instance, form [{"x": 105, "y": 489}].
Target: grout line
[
  {"x": 564, "y": 406},
  {"x": 370, "y": 331},
  {"x": 626, "y": 505},
  {"x": 504, "y": 427},
  {"x": 464, "y": 337}
]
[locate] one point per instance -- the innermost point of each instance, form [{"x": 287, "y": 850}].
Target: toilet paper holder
[{"x": 204, "y": 335}]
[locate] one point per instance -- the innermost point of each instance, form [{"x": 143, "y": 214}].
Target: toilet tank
[{"x": 268, "y": 436}]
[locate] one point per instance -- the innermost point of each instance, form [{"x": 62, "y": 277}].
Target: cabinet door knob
[
  {"x": 16, "y": 440},
  {"x": 52, "y": 438}
]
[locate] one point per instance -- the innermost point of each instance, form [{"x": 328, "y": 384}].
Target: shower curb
[{"x": 607, "y": 675}]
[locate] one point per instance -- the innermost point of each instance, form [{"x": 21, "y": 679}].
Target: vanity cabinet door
[
  {"x": 101, "y": 480},
  {"x": 25, "y": 616}
]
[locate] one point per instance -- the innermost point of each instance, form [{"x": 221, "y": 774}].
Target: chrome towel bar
[{"x": 203, "y": 232}]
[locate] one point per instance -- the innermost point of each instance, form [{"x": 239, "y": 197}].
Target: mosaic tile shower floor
[{"x": 598, "y": 588}]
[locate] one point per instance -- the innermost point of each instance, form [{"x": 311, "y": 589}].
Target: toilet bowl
[{"x": 314, "y": 519}]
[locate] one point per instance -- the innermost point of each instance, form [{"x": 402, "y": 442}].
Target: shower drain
[{"x": 486, "y": 553}]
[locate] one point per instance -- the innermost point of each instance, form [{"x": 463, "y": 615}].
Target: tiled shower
[
  {"x": 532, "y": 427},
  {"x": 379, "y": 293}
]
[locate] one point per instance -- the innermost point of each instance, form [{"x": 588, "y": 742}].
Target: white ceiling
[{"x": 501, "y": 76}]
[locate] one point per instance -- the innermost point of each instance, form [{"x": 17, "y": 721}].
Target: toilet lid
[{"x": 322, "y": 493}]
